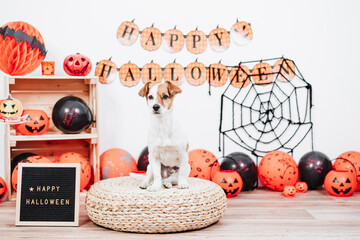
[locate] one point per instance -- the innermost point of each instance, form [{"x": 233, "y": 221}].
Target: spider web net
[{"x": 264, "y": 118}]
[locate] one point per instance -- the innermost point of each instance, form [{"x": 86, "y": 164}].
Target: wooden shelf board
[{"x": 53, "y": 136}]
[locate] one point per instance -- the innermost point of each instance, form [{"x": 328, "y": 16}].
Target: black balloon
[
  {"x": 143, "y": 160},
  {"x": 19, "y": 158},
  {"x": 244, "y": 165},
  {"x": 313, "y": 167},
  {"x": 71, "y": 115}
]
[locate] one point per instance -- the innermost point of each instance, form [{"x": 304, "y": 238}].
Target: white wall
[{"x": 322, "y": 37}]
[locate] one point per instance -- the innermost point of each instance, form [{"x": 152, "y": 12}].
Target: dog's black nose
[{"x": 156, "y": 107}]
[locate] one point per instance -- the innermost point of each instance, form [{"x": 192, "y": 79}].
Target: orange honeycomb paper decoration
[
  {"x": 240, "y": 76},
  {"x": 173, "y": 41},
  {"x": 219, "y": 40},
  {"x": 151, "y": 72},
  {"x": 174, "y": 73},
  {"x": 127, "y": 33},
  {"x": 196, "y": 41},
  {"x": 129, "y": 74},
  {"x": 151, "y": 39}
]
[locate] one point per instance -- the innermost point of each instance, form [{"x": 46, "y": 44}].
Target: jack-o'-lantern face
[
  {"x": 349, "y": 161},
  {"x": 229, "y": 181},
  {"x": 10, "y": 108},
  {"x": 37, "y": 123},
  {"x": 77, "y": 65},
  {"x": 3, "y": 188},
  {"x": 289, "y": 191},
  {"x": 301, "y": 187},
  {"x": 340, "y": 183}
]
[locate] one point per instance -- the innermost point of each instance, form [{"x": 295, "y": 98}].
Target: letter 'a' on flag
[
  {"x": 151, "y": 72},
  {"x": 127, "y": 33},
  {"x": 219, "y": 40},
  {"x": 129, "y": 74},
  {"x": 195, "y": 73},
  {"x": 151, "y": 39},
  {"x": 174, "y": 73},
  {"x": 217, "y": 74},
  {"x": 173, "y": 41},
  {"x": 196, "y": 42},
  {"x": 241, "y": 33},
  {"x": 240, "y": 76}
]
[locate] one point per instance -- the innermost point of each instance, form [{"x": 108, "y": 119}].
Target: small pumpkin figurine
[
  {"x": 301, "y": 187},
  {"x": 10, "y": 108},
  {"x": 340, "y": 183},
  {"x": 37, "y": 123},
  {"x": 3, "y": 188},
  {"x": 230, "y": 181},
  {"x": 77, "y": 65},
  {"x": 289, "y": 191}
]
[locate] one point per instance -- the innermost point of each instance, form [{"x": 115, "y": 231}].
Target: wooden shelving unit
[{"x": 42, "y": 93}]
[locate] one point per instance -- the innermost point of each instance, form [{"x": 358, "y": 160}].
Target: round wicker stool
[{"x": 120, "y": 204}]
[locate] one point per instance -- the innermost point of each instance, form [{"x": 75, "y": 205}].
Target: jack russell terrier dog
[{"x": 167, "y": 144}]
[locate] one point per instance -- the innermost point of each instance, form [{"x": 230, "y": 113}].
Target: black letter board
[{"x": 48, "y": 194}]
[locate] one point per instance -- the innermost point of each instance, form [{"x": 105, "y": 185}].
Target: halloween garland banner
[
  {"x": 173, "y": 40},
  {"x": 197, "y": 73}
]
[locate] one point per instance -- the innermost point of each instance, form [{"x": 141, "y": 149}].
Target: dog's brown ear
[
  {"x": 173, "y": 89},
  {"x": 145, "y": 90}
]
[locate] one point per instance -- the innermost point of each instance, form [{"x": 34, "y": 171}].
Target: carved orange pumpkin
[
  {"x": 3, "y": 188},
  {"x": 240, "y": 76},
  {"x": 262, "y": 73},
  {"x": 340, "y": 183},
  {"x": 284, "y": 70},
  {"x": 174, "y": 73},
  {"x": 241, "y": 33},
  {"x": 127, "y": 33},
  {"x": 217, "y": 74},
  {"x": 219, "y": 39},
  {"x": 349, "y": 161},
  {"x": 150, "y": 38},
  {"x": 48, "y": 68},
  {"x": 229, "y": 181},
  {"x": 151, "y": 72},
  {"x": 202, "y": 162},
  {"x": 106, "y": 70},
  {"x": 196, "y": 41},
  {"x": 10, "y": 108},
  {"x": 77, "y": 65},
  {"x": 31, "y": 159},
  {"x": 289, "y": 191},
  {"x": 37, "y": 123},
  {"x": 129, "y": 74},
  {"x": 301, "y": 187},
  {"x": 196, "y": 73},
  {"x": 173, "y": 40}
]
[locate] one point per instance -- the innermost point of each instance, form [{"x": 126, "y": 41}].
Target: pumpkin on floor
[
  {"x": 229, "y": 181},
  {"x": 340, "y": 183}
]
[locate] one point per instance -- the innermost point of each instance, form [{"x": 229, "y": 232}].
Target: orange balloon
[
  {"x": 278, "y": 169},
  {"x": 31, "y": 159},
  {"x": 85, "y": 167},
  {"x": 202, "y": 163},
  {"x": 116, "y": 162},
  {"x": 349, "y": 161}
]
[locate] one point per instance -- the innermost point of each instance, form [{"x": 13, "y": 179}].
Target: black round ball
[
  {"x": 143, "y": 160},
  {"x": 71, "y": 115},
  {"x": 244, "y": 165},
  {"x": 19, "y": 158},
  {"x": 313, "y": 167}
]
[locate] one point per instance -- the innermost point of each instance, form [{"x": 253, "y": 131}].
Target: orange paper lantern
[
  {"x": 48, "y": 68},
  {"x": 173, "y": 40},
  {"x": 202, "y": 162},
  {"x": 284, "y": 70},
  {"x": 106, "y": 71},
  {"x": 85, "y": 167},
  {"x": 116, "y": 162},
  {"x": 22, "y": 48},
  {"x": 127, "y": 33},
  {"x": 262, "y": 73},
  {"x": 289, "y": 191},
  {"x": 219, "y": 39},
  {"x": 349, "y": 161},
  {"x": 196, "y": 42},
  {"x": 340, "y": 183},
  {"x": 150, "y": 39},
  {"x": 174, "y": 73},
  {"x": 229, "y": 181},
  {"x": 217, "y": 74},
  {"x": 241, "y": 33},
  {"x": 196, "y": 73},
  {"x": 31, "y": 159},
  {"x": 151, "y": 72},
  {"x": 278, "y": 169},
  {"x": 129, "y": 74},
  {"x": 240, "y": 76}
]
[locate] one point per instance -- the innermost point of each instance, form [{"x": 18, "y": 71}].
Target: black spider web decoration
[{"x": 264, "y": 118}]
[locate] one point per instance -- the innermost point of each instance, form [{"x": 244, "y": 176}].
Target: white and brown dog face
[{"x": 159, "y": 97}]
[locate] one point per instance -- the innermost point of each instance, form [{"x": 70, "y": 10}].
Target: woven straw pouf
[{"x": 120, "y": 204}]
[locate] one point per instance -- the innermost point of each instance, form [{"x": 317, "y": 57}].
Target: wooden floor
[{"x": 261, "y": 214}]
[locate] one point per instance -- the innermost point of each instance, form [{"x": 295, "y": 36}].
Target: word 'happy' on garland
[
  {"x": 196, "y": 40},
  {"x": 196, "y": 73}
]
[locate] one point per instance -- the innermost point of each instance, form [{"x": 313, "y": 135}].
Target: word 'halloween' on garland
[
  {"x": 196, "y": 73},
  {"x": 173, "y": 40}
]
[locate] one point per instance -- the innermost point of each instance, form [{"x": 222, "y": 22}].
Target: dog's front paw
[
  {"x": 167, "y": 184},
  {"x": 154, "y": 188},
  {"x": 144, "y": 185},
  {"x": 183, "y": 185}
]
